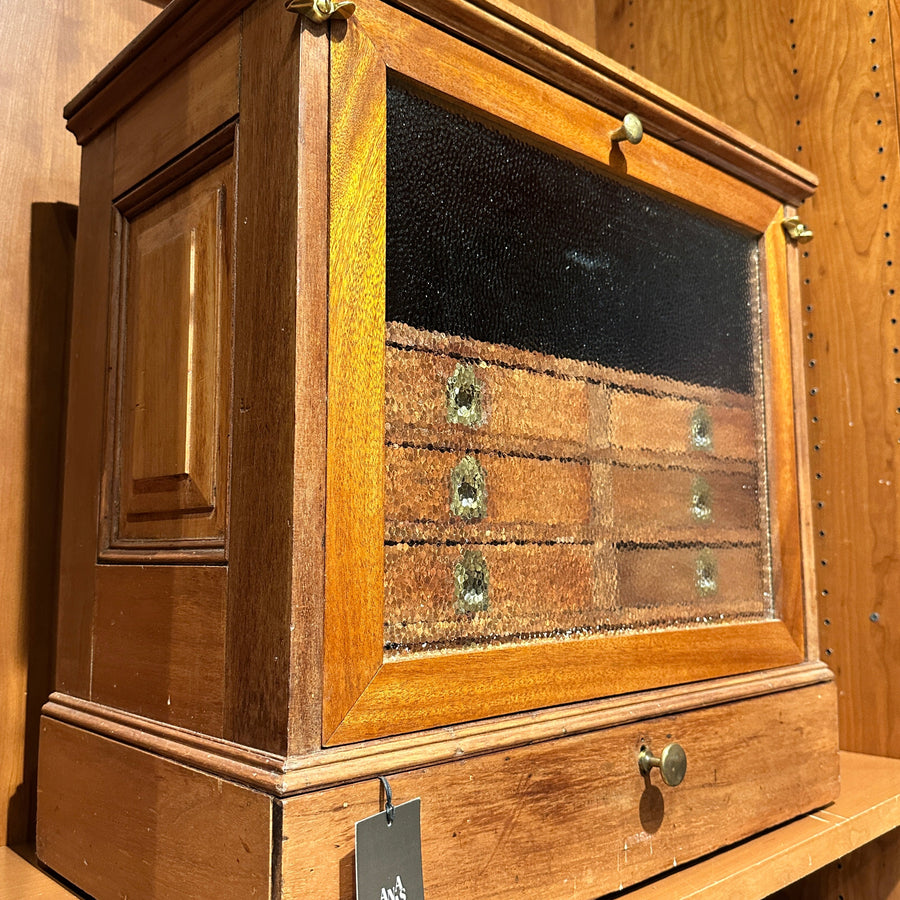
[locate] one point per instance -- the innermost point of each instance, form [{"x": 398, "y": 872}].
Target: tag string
[{"x": 388, "y": 797}]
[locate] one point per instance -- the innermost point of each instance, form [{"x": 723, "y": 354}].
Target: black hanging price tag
[{"x": 389, "y": 854}]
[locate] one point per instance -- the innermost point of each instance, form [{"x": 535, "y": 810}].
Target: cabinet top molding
[{"x": 498, "y": 26}]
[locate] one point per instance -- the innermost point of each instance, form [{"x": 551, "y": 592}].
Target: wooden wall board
[
  {"x": 47, "y": 52},
  {"x": 817, "y": 84}
]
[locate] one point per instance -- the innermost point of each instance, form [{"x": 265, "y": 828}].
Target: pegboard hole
[
  {"x": 812, "y": 362},
  {"x": 820, "y": 505},
  {"x": 827, "y": 622},
  {"x": 814, "y": 391},
  {"x": 815, "y": 419},
  {"x": 875, "y": 67},
  {"x": 810, "y": 336},
  {"x": 824, "y": 592}
]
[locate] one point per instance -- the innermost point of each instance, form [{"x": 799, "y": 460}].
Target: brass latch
[
  {"x": 796, "y": 230},
  {"x": 321, "y": 10}
]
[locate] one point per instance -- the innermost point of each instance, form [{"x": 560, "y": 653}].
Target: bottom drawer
[{"x": 574, "y": 817}]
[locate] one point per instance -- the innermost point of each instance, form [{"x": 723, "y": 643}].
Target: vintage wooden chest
[{"x": 424, "y": 422}]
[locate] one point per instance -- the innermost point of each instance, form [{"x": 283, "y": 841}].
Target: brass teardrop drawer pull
[
  {"x": 672, "y": 763},
  {"x": 630, "y": 130}
]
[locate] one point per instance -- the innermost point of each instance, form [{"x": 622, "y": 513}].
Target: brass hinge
[
  {"x": 796, "y": 230},
  {"x": 321, "y": 10}
]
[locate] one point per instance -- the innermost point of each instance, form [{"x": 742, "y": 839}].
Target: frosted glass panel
[{"x": 573, "y": 438}]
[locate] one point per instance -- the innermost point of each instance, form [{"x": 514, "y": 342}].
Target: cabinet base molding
[
  {"x": 283, "y": 776},
  {"x": 564, "y": 816}
]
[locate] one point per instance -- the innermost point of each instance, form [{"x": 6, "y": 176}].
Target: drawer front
[
  {"x": 671, "y": 425},
  {"x": 445, "y": 594},
  {"x": 651, "y": 504},
  {"x": 433, "y": 494},
  {"x": 577, "y": 817},
  {"x": 683, "y": 584},
  {"x": 431, "y": 398}
]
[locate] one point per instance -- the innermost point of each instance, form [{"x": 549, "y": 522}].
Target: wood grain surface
[
  {"x": 867, "y": 808},
  {"x": 262, "y": 416},
  {"x": 497, "y": 826},
  {"x": 159, "y": 643},
  {"x": 118, "y": 821},
  {"x": 411, "y": 693},
  {"x": 19, "y": 878},
  {"x": 47, "y": 53},
  {"x": 354, "y": 557}
]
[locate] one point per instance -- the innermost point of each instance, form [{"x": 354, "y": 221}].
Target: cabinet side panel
[
  {"x": 171, "y": 431},
  {"x": 121, "y": 822}
]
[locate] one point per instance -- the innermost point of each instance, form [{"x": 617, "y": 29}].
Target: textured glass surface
[{"x": 572, "y": 414}]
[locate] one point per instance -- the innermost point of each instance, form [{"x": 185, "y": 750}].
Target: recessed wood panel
[{"x": 174, "y": 368}]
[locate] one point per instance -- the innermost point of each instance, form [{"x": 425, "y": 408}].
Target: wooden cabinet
[{"x": 417, "y": 428}]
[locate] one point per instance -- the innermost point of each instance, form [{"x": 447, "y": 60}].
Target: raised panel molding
[{"x": 169, "y": 453}]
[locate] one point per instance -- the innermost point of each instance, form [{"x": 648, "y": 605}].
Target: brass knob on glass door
[
  {"x": 672, "y": 763},
  {"x": 630, "y": 130}
]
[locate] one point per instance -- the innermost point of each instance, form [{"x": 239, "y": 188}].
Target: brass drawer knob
[
  {"x": 706, "y": 573},
  {"x": 630, "y": 130},
  {"x": 672, "y": 763}
]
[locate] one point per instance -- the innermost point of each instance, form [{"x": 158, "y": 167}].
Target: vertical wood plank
[
  {"x": 354, "y": 574},
  {"x": 258, "y": 634},
  {"x": 305, "y": 718}
]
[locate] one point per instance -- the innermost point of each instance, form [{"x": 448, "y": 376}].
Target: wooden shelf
[
  {"x": 21, "y": 877},
  {"x": 868, "y": 807}
]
